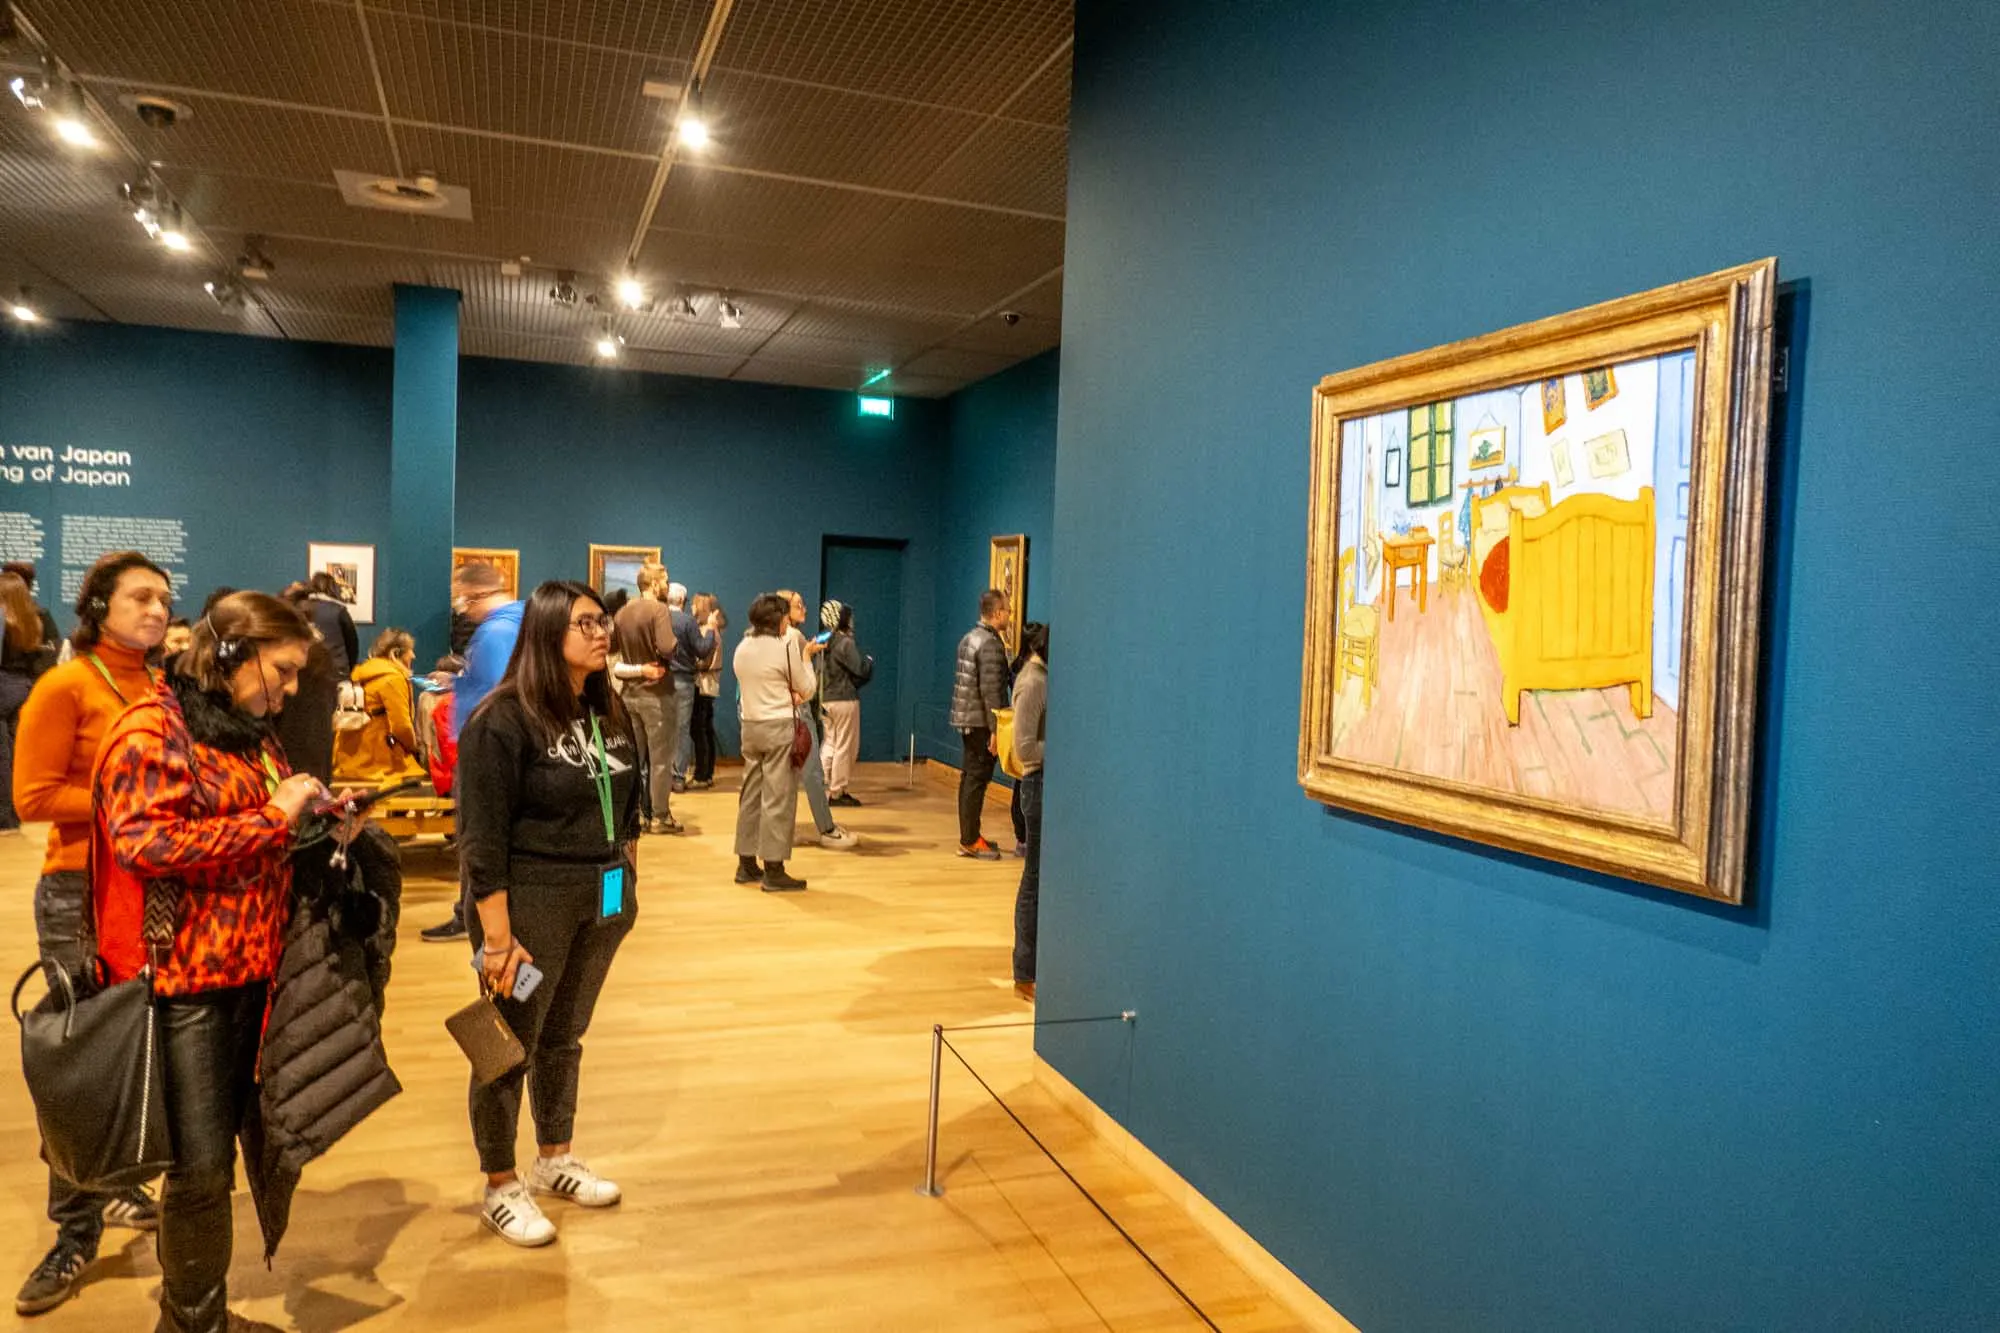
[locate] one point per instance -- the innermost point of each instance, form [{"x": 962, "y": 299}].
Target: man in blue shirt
[
  {"x": 693, "y": 644},
  {"x": 479, "y": 593}
]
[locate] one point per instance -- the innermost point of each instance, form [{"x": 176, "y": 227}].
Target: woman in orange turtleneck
[{"x": 122, "y": 615}]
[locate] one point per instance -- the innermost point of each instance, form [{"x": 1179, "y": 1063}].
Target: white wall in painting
[{"x": 1633, "y": 410}]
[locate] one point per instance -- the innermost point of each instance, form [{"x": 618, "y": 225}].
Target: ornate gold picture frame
[
  {"x": 1007, "y": 570},
  {"x": 1559, "y": 658},
  {"x": 508, "y": 562},
  {"x": 615, "y": 567}
]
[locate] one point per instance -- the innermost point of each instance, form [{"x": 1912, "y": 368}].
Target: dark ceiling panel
[
  {"x": 288, "y": 50},
  {"x": 527, "y": 86},
  {"x": 1011, "y": 165},
  {"x": 665, "y": 28},
  {"x": 250, "y": 139},
  {"x": 971, "y": 54}
]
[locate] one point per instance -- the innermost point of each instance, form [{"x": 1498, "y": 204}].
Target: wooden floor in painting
[
  {"x": 756, "y": 1080},
  {"x": 1437, "y": 712}
]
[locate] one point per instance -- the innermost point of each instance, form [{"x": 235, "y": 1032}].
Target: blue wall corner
[
  {"x": 1459, "y": 1089},
  {"x": 423, "y": 464}
]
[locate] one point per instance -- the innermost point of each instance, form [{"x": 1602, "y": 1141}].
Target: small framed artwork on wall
[
  {"x": 1007, "y": 570},
  {"x": 1392, "y": 467},
  {"x": 615, "y": 567},
  {"x": 353, "y": 571},
  {"x": 507, "y": 562}
]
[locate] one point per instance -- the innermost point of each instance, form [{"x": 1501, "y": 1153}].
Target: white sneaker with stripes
[
  {"x": 568, "y": 1178},
  {"x": 512, "y": 1214}
]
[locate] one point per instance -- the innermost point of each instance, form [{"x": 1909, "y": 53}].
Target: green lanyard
[
  {"x": 603, "y": 779},
  {"x": 270, "y": 773},
  {"x": 105, "y": 672}
]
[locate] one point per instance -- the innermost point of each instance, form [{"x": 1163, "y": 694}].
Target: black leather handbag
[{"x": 93, "y": 1066}]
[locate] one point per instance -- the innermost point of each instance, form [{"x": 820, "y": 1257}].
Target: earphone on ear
[
  {"x": 98, "y": 608},
  {"x": 228, "y": 652}
]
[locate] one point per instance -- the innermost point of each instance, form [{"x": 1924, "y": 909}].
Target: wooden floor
[
  {"x": 756, "y": 1080},
  {"x": 1437, "y": 711}
]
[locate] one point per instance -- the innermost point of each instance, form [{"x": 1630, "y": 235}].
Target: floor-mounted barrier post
[{"x": 930, "y": 1188}]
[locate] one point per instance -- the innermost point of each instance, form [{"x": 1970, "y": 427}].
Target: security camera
[{"x": 1010, "y": 317}]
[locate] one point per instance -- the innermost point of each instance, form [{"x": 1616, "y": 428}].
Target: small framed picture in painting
[
  {"x": 1589, "y": 693},
  {"x": 506, "y": 561},
  {"x": 1489, "y": 446},
  {"x": 1600, "y": 386},
  {"x": 1007, "y": 570},
  {"x": 1392, "y": 468},
  {"x": 1555, "y": 407},
  {"x": 353, "y": 571},
  {"x": 615, "y": 567}
]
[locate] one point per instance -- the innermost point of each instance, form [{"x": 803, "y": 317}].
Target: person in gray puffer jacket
[{"x": 978, "y": 687}]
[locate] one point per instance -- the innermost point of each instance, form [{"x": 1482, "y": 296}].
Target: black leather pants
[{"x": 210, "y": 1042}]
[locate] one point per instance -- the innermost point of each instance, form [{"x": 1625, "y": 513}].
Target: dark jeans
[
  {"x": 556, "y": 919},
  {"x": 973, "y": 776},
  {"x": 704, "y": 738},
  {"x": 1015, "y": 813},
  {"x": 67, "y": 937},
  {"x": 9, "y": 817},
  {"x": 210, "y": 1043},
  {"x": 1027, "y": 902}
]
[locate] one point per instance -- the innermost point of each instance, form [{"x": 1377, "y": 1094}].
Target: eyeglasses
[{"x": 590, "y": 625}]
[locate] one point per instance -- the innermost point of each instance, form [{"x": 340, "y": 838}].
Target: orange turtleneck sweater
[{"x": 56, "y": 741}]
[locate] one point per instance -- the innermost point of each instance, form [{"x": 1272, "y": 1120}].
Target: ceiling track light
[
  {"x": 73, "y": 117},
  {"x": 684, "y": 306},
  {"x": 173, "y": 229},
  {"x": 34, "y": 93},
  {"x": 632, "y": 293},
  {"x": 608, "y": 343},
  {"x": 691, "y": 125},
  {"x": 23, "y": 307},
  {"x": 729, "y": 313},
  {"x": 253, "y": 263},
  {"x": 225, "y": 291},
  {"x": 564, "y": 292}
]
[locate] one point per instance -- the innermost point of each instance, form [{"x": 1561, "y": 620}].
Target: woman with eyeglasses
[{"x": 548, "y": 818}]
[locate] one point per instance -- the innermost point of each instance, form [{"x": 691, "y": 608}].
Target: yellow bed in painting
[{"x": 1567, "y": 591}]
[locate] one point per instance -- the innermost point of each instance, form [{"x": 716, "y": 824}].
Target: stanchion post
[{"x": 930, "y": 1189}]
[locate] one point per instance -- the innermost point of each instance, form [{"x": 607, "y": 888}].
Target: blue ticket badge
[{"x": 614, "y": 891}]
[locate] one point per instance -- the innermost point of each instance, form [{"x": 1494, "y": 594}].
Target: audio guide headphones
[{"x": 229, "y": 653}]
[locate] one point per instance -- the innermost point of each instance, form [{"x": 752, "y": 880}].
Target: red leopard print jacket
[{"x": 171, "y": 808}]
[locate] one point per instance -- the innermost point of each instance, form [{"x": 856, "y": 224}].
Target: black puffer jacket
[{"x": 323, "y": 1067}]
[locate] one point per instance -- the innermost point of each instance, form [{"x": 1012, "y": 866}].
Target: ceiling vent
[{"x": 421, "y": 194}]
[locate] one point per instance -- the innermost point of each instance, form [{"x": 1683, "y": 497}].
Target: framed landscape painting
[
  {"x": 615, "y": 567},
  {"x": 1559, "y": 657}
]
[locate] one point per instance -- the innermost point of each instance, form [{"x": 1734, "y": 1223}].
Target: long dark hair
[
  {"x": 1034, "y": 643},
  {"x": 538, "y": 676}
]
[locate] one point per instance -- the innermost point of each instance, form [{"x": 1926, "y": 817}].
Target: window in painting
[{"x": 1430, "y": 455}]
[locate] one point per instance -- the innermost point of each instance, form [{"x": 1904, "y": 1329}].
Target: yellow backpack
[{"x": 1003, "y": 742}]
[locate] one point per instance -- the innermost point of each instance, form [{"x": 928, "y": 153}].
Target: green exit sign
[{"x": 876, "y": 407}]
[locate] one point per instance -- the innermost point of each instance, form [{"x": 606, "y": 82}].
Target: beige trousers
[
  {"x": 843, "y": 743},
  {"x": 770, "y": 791}
]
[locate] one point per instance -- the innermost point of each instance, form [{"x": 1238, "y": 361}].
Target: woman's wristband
[{"x": 496, "y": 953}]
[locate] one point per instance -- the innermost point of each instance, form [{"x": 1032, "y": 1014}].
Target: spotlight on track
[
  {"x": 631, "y": 293},
  {"x": 564, "y": 292},
  {"x": 691, "y": 126},
  {"x": 225, "y": 291},
  {"x": 731, "y": 314},
  {"x": 608, "y": 343},
  {"x": 173, "y": 230},
  {"x": 73, "y": 117},
  {"x": 684, "y": 305},
  {"x": 23, "y": 308}
]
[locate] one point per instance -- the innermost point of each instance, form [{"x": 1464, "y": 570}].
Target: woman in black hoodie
[{"x": 548, "y": 815}]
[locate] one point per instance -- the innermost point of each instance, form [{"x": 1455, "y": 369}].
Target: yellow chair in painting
[
  {"x": 1454, "y": 560},
  {"x": 1356, "y": 650}
]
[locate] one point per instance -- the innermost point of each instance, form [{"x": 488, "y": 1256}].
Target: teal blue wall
[
  {"x": 999, "y": 479},
  {"x": 736, "y": 483},
  {"x": 423, "y": 462},
  {"x": 1454, "y": 1089},
  {"x": 257, "y": 446}
]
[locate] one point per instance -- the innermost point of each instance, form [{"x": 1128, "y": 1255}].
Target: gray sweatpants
[
  {"x": 770, "y": 791},
  {"x": 655, "y": 715}
]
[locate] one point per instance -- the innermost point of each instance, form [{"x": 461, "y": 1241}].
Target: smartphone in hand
[{"x": 823, "y": 636}]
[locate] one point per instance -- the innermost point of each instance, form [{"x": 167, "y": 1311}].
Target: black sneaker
[
  {"x": 135, "y": 1209},
  {"x": 444, "y": 932},
  {"x": 53, "y": 1281},
  {"x": 845, "y": 800},
  {"x": 777, "y": 881}
]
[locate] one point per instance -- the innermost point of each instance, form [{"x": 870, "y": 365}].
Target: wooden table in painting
[{"x": 1412, "y": 552}]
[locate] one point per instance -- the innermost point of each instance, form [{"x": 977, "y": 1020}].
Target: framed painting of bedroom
[{"x": 1536, "y": 628}]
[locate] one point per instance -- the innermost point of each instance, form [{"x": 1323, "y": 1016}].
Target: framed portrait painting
[
  {"x": 1588, "y": 693},
  {"x": 353, "y": 569},
  {"x": 506, "y": 561},
  {"x": 1007, "y": 570},
  {"x": 615, "y": 567}
]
